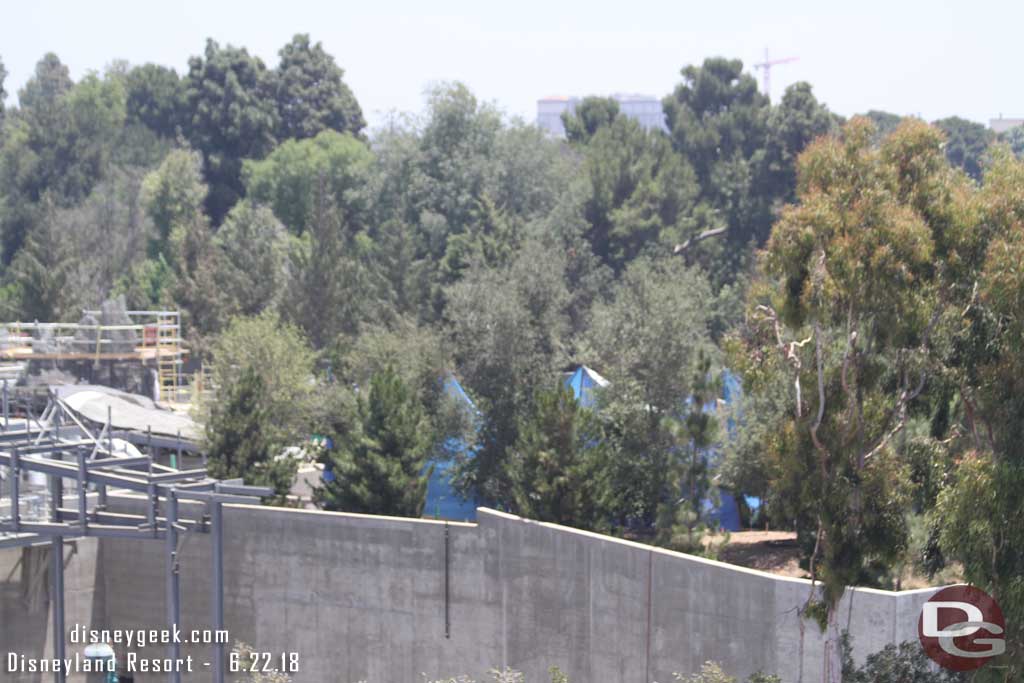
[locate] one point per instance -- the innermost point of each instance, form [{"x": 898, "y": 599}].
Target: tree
[
  {"x": 330, "y": 291},
  {"x": 289, "y": 179},
  {"x": 588, "y": 116},
  {"x": 852, "y": 300},
  {"x": 233, "y": 116},
  {"x": 41, "y": 270},
  {"x": 507, "y": 330},
  {"x": 966, "y": 143},
  {"x": 797, "y": 120},
  {"x": 976, "y": 512},
  {"x": 3, "y": 96},
  {"x": 718, "y": 121},
  {"x": 311, "y": 95},
  {"x": 174, "y": 195},
  {"x": 239, "y": 441},
  {"x": 648, "y": 336},
  {"x": 681, "y": 521},
  {"x": 280, "y": 357},
  {"x": 645, "y": 339},
  {"x": 555, "y": 466},
  {"x": 156, "y": 99},
  {"x": 60, "y": 143},
  {"x": 252, "y": 267},
  {"x": 1015, "y": 139},
  {"x": 641, "y": 194},
  {"x": 108, "y": 229},
  {"x": 884, "y": 122},
  {"x": 379, "y": 465}
]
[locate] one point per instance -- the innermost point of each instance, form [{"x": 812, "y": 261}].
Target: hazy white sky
[{"x": 933, "y": 59}]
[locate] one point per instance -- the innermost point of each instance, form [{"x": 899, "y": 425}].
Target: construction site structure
[
  {"x": 152, "y": 339},
  {"x": 56, "y": 472}
]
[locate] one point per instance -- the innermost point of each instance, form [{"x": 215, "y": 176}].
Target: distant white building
[
  {"x": 645, "y": 109},
  {"x": 1002, "y": 125}
]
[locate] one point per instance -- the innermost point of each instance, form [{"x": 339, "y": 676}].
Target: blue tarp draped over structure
[
  {"x": 585, "y": 384},
  {"x": 443, "y": 502},
  {"x": 721, "y": 510}
]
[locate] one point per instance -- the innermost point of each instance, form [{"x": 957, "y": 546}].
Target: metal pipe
[
  {"x": 7, "y": 408},
  {"x": 173, "y": 588},
  {"x": 15, "y": 485},
  {"x": 57, "y": 575},
  {"x": 447, "y": 582},
  {"x": 102, "y": 488},
  {"x": 83, "y": 484},
  {"x": 57, "y": 599},
  {"x": 217, "y": 538}
]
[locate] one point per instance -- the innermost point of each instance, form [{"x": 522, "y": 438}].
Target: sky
[{"x": 929, "y": 59}]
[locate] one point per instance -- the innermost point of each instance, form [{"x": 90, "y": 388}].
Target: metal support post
[
  {"x": 15, "y": 486},
  {"x": 217, "y": 540},
  {"x": 57, "y": 599},
  {"x": 173, "y": 587},
  {"x": 57, "y": 576},
  {"x": 83, "y": 492}
]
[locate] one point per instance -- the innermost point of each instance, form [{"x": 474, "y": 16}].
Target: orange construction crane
[{"x": 767, "y": 65}]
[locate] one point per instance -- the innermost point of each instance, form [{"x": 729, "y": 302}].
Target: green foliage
[
  {"x": 233, "y": 116},
  {"x": 42, "y": 270},
  {"x": 380, "y": 455},
  {"x": 680, "y": 523},
  {"x": 507, "y": 333},
  {"x": 718, "y": 122},
  {"x": 884, "y": 124},
  {"x": 555, "y": 468},
  {"x": 311, "y": 95},
  {"x": 241, "y": 440},
  {"x": 711, "y": 672},
  {"x": 173, "y": 195},
  {"x": 589, "y": 115},
  {"x": 59, "y": 143},
  {"x": 155, "y": 99},
  {"x": 331, "y": 290},
  {"x": 290, "y": 178},
  {"x": 1015, "y": 139},
  {"x": 280, "y": 356},
  {"x": 252, "y": 246},
  {"x": 640, "y": 194},
  {"x": 647, "y": 336},
  {"x": 895, "y": 664},
  {"x": 966, "y": 144}
]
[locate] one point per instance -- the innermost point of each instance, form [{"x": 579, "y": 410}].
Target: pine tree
[
  {"x": 239, "y": 442},
  {"x": 555, "y": 463},
  {"x": 379, "y": 466}
]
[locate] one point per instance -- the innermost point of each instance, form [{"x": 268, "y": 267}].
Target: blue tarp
[
  {"x": 443, "y": 502},
  {"x": 725, "y": 514},
  {"x": 585, "y": 383}
]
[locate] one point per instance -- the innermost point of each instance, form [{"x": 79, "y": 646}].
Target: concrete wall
[
  {"x": 26, "y": 621},
  {"x": 363, "y": 598}
]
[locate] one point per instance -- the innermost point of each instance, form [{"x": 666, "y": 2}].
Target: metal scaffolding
[{"x": 73, "y": 459}]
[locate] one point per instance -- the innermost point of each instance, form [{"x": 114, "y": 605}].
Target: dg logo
[{"x": 961, "y": 628}]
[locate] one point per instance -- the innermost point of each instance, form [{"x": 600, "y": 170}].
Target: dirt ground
[
  {"x": 776, "y": 552},
  {"x": 770, "y": 551}
]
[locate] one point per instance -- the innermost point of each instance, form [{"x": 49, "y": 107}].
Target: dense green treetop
[
  {"x": 589, "y": 115},
  {"x": 966, "y": 143},
  {"x": 233, "y": 116},
  {"x": 289, "y": 179},
  {"x": 156, "y": 99},
  {"x": 311, "y": 95}
]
